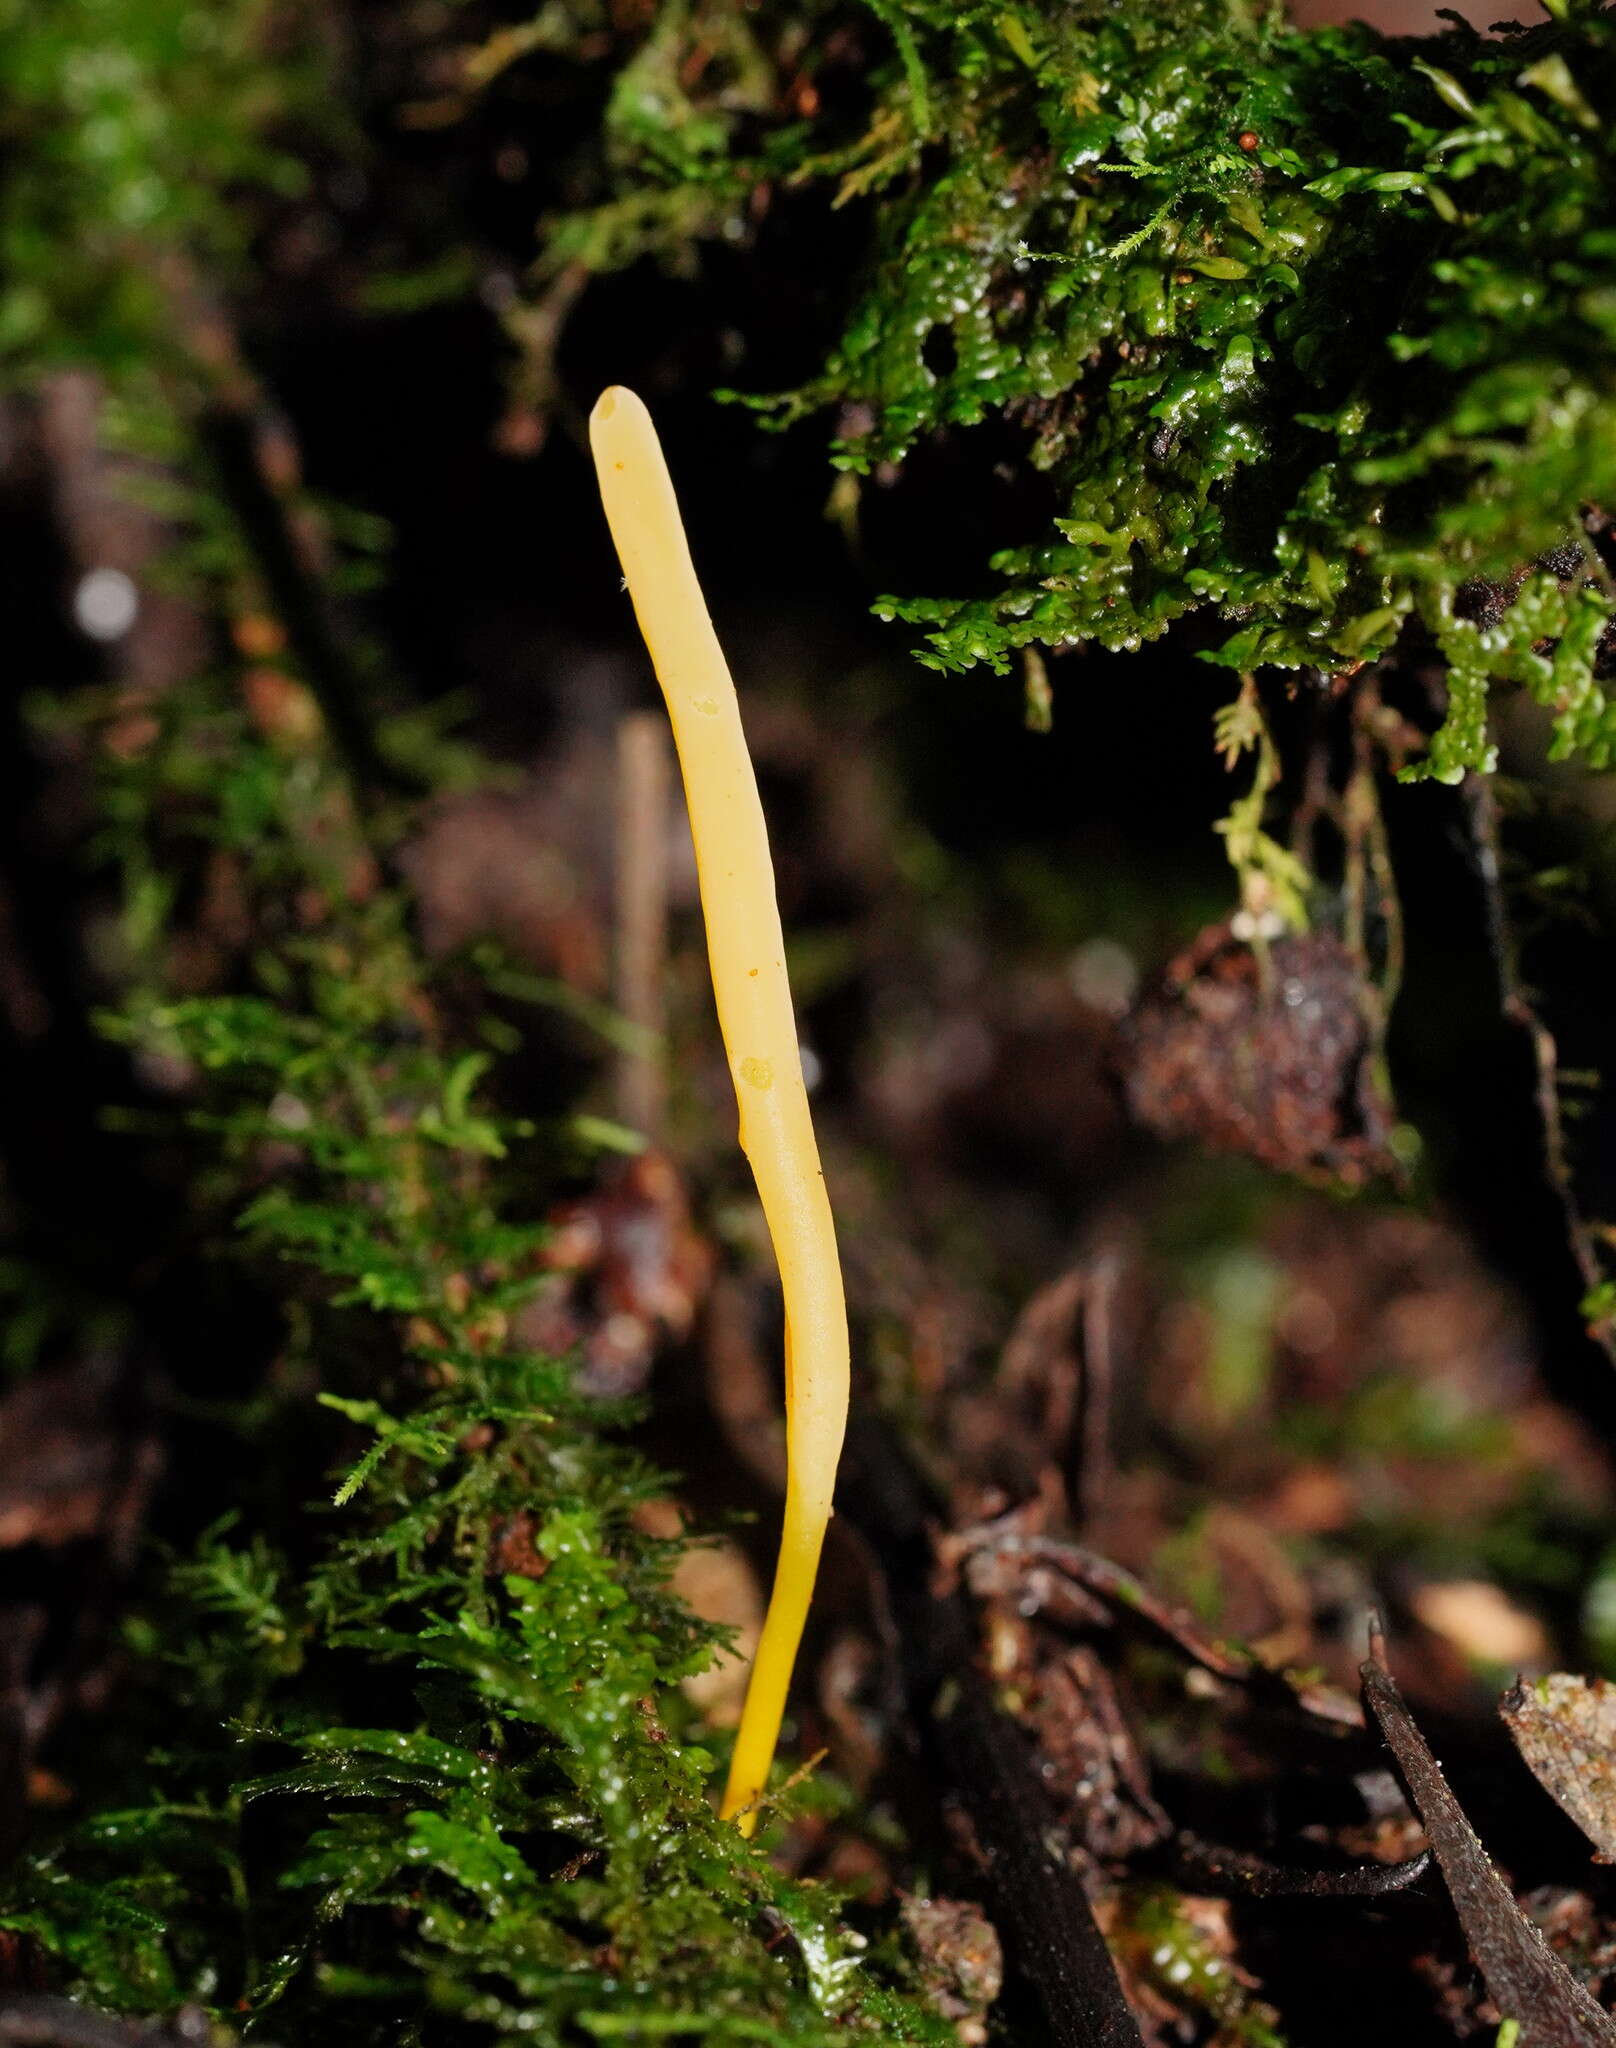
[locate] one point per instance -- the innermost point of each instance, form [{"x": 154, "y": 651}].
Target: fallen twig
[
  {"x": 984, "y": 1765},
  {"x": 1481, "y": 805},
  {"x": 1119, "y": 1592},
  {"x": 1237, "y": 1874},
  {"x": 1525, "y": 1979}
]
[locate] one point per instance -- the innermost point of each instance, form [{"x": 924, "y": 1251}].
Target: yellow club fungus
[{"x": 747, "y": 953}]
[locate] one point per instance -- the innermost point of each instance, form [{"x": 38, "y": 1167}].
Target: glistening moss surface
[
  {"x": 1310, "y": 331},
  {"x": 518, "y": 1839}
]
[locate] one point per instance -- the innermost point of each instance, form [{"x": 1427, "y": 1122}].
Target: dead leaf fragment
[
  {"x": 962, "y": 1965},
  {"x": 1565, "y": 1728},
  {"x": 1272, "y": 1056}
]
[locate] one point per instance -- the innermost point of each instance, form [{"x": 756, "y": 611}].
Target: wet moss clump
[
  {"x": 413, "y": 1757},
  {"x": 398, "y": 1750},
  {"x": 1312, "y": 333}
]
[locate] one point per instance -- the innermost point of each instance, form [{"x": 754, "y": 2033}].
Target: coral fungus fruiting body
[{"x": 747, "y": 953}]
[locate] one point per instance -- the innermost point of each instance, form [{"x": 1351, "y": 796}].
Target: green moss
[
  {"x": 521, "y": 1840},
  {"x": 1184, "y": 1964},
  {"x": 363, "y": 1784},
  {"x": 1308, "y": 331},
  {"x": 130, "y": 133}
]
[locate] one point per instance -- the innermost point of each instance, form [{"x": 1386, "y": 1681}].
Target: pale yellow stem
[{"x": 747, "y": 952}]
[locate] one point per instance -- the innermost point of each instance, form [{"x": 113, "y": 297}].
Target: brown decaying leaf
[
  {"x": 1525, "y": 1979},
  {"x": 1565, "y": 1727},
  {"x": 1088, "y": 1756},
  {"x": 628, "y": 1270},
  {"x": 1271, "y": 1057},
  {"x": 961, "y": 1962}
]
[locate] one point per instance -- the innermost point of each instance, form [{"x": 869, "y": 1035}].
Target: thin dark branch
[
  {"x": 1482, "y": 807},
  {"x": 1525, "y": 1979},
  {"x": 984, "y": 1766},
  {"x": 1124, "y": 1595},
  {"x": 1237, "y": 1874}
]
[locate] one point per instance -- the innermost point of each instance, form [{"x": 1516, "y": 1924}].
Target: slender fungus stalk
[{"x": 747, "y": 953}]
